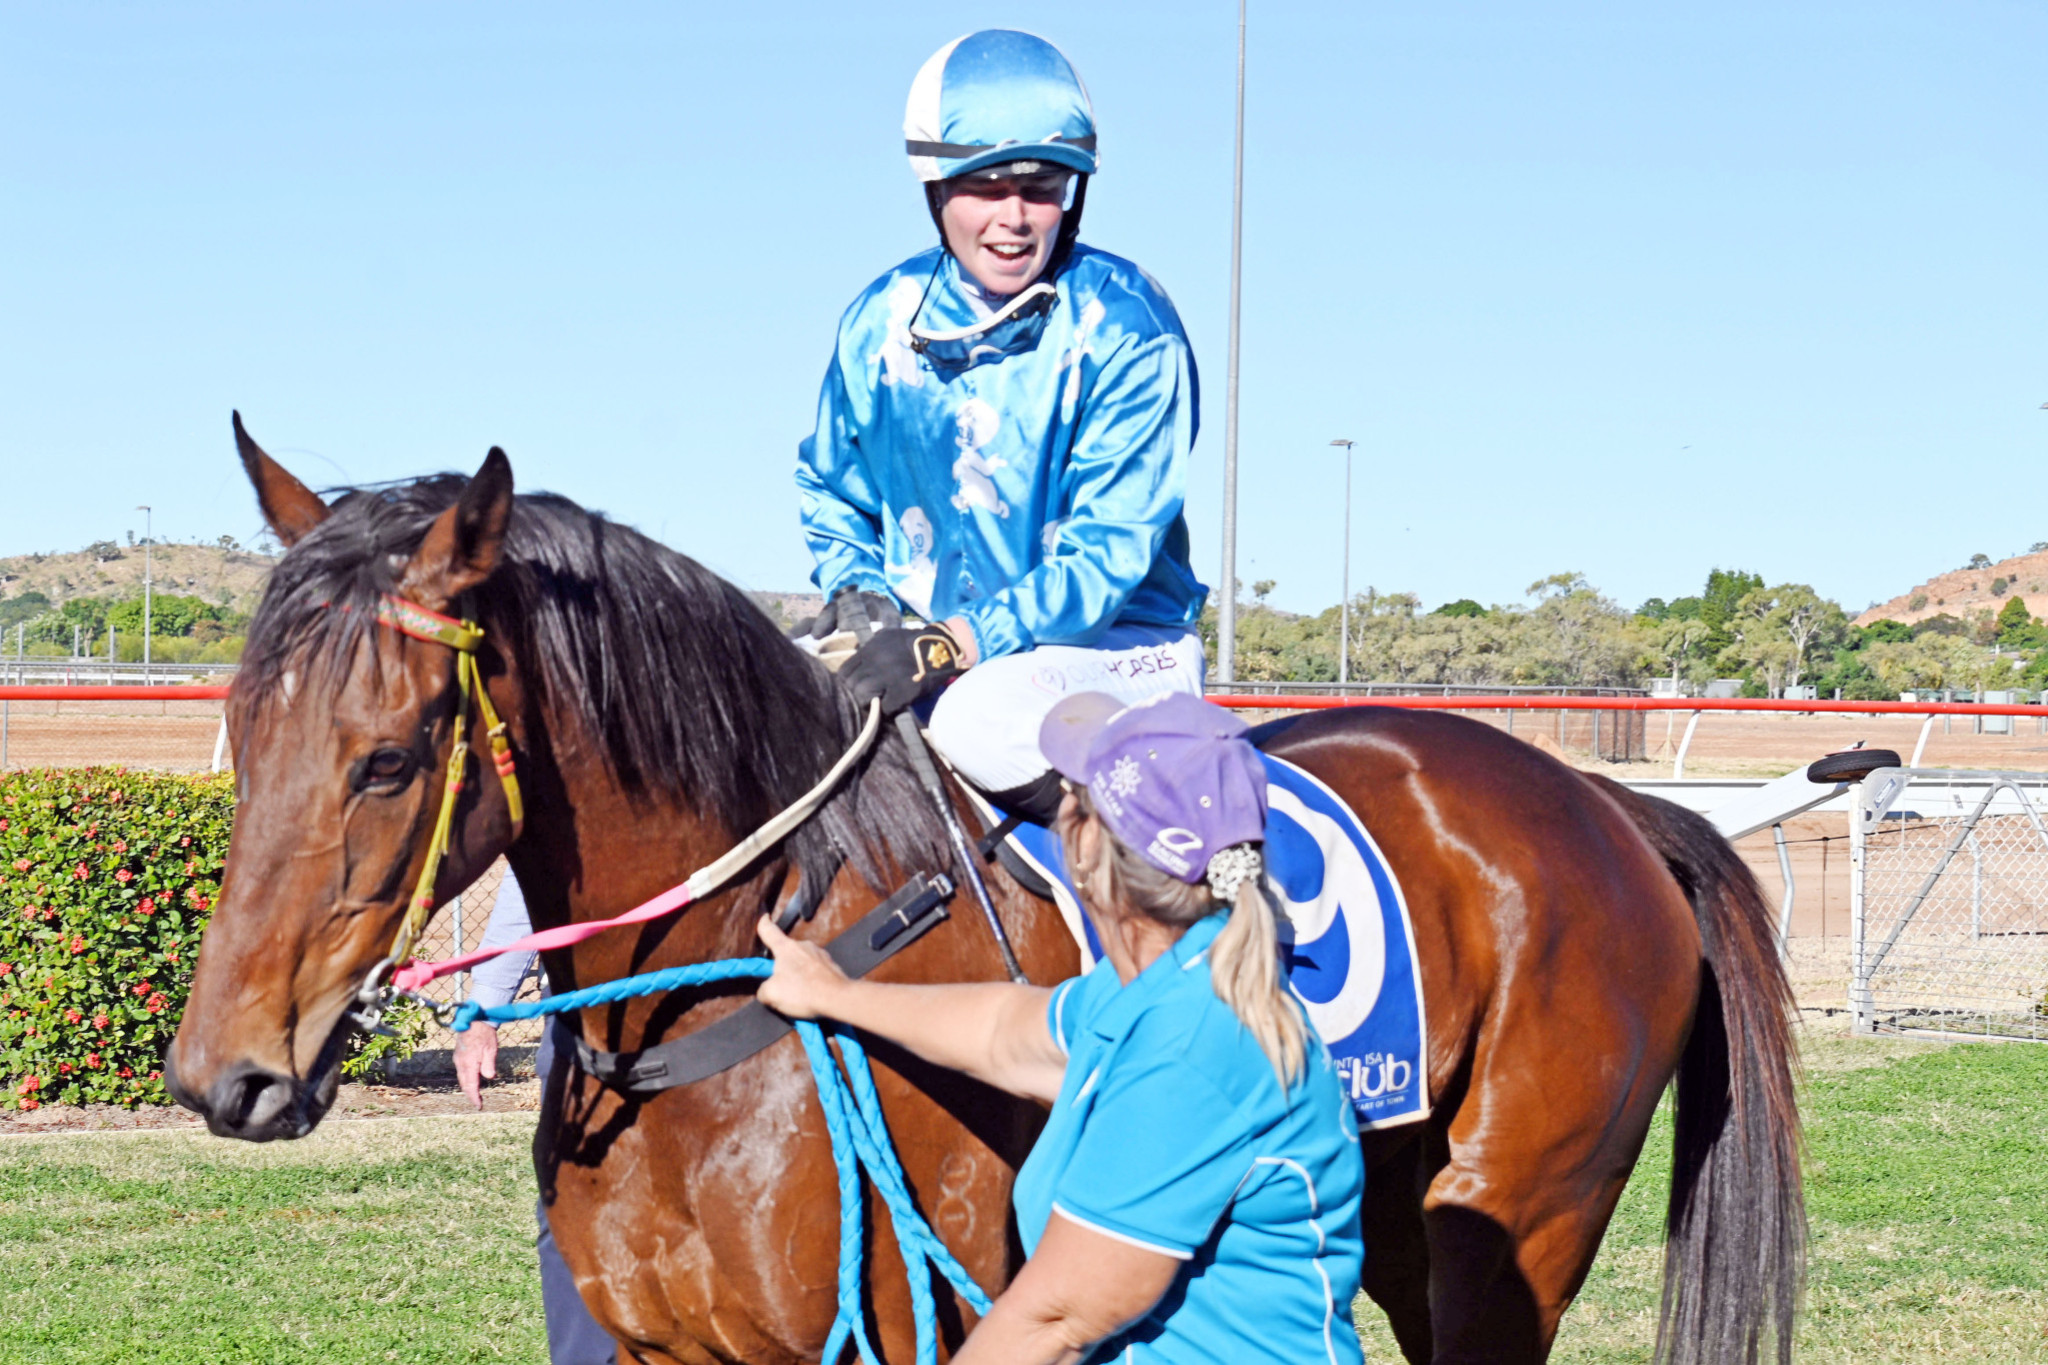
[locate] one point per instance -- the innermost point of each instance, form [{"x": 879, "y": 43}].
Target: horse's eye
[{"x": 385, "y": 768}]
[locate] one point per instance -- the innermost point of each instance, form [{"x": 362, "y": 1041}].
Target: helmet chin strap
[{"x": 1063, "y": 244}]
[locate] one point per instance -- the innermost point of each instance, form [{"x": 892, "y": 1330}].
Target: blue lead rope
[{"x": 860, "y": 1140}]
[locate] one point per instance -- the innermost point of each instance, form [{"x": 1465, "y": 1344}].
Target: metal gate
[{"x": 1949, "y": 904}]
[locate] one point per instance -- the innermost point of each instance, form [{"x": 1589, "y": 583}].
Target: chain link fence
[
  {"x": 1950, "y": 915},
  {"x": 458, "y": 927},
  {"x": 172, "y": 736}
]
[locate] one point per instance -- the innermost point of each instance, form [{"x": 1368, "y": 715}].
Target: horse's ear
[
  {"x": 465, "y": 542},
  {"x": 291, "y": 508}
]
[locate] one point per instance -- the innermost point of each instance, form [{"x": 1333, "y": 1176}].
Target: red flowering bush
[{"x": 106, "y": 878}]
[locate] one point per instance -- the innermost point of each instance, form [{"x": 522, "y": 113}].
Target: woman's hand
[{"x": 806, "y": 981}]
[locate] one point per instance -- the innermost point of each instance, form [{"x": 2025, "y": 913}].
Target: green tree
[
  {"x": 1723, "y": 598},
  {"x": 1464, "y": 606},
  {"x": 1775, "y": 633},
  {"x": 2016, "y": 624},
  {"x": 170, "y": 614},
  {"x": 1941, "y": 623},
  {"x": 1575, "y": 636},
  {"x": 1677, "y": 645},
  {"x": 27, "y": 607},
  {"x": 1686, "y": 608}
]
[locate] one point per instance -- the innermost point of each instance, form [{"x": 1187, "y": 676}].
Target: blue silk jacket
[{"x": 1029, "y": 477}]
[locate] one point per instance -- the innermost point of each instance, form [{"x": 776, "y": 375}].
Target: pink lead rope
[{"x": 415, "y": 975}]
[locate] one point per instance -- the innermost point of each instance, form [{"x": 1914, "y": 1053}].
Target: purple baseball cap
[{"x": 1173, "y": 777}]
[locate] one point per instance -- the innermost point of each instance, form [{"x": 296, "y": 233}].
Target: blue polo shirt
[{"x": 1171, "y": 1132}]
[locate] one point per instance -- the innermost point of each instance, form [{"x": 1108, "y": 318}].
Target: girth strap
[{"x": 883, "y": 932}]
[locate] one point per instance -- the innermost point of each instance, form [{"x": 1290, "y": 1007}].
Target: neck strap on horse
[{"x": 465, "y": 638}]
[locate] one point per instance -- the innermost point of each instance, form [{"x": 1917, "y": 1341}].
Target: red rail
[
  {"x": 119, "y": 692},
  {"x": 1278, "y": 702},
  {"x": 1270, "y": 702}
]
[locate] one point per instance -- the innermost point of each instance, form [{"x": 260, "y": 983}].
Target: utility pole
[
  {"x": 1344, "y": 612},
  {"x": 1226, "y": 619},
  {"x": 147, "y": 535}
]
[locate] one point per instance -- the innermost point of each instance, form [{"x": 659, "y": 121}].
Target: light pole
[
  {"x": 1344, "y": 612},
  {"x": 147, "y": 585},
  {"x": 1226, "y": 619}
]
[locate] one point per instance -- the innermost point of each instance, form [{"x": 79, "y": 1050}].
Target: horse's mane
[{"x": 685, "y": 686}]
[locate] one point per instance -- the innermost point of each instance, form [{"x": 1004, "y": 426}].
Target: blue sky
[{"x": 1594, "y": 287}]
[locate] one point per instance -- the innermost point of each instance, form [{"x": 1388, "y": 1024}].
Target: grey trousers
[{"x": 574, "y": 1338}]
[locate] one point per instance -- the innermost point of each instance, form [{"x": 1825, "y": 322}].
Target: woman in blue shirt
[{"x": 1195, "y": 1193}]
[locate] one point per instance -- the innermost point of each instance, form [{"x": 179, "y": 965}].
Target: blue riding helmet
[{"x": 996, "y": 97}]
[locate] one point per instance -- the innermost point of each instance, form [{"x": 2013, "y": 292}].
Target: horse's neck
[{"x": 592, "y": 850}]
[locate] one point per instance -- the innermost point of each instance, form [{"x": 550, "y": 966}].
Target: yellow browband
[{"x": 464, "y": 637}]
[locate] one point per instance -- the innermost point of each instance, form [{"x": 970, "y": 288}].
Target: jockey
[{"x": 1003, "y": 438}]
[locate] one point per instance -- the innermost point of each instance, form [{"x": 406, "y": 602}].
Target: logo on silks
[{"x": 1352, "y": 963}]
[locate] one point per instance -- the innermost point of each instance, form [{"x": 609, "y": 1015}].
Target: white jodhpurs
[{"x": 986, "y": 723}]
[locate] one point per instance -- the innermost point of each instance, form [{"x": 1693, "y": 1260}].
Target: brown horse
[{"x": 1581, "y": 948}]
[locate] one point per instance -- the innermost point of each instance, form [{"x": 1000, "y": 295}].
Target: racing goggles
[{"x": 1012, "y": 328}]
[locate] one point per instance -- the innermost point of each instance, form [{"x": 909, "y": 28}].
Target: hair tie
[{"x": 1229, "y": 869}]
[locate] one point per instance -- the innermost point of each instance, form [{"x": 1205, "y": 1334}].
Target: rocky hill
[
  {"x": 233, "y": 578},
  {"x": 1963, "y": 593}
]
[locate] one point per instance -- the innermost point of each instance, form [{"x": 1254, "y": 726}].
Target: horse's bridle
[{"x": 465, "y": 637}]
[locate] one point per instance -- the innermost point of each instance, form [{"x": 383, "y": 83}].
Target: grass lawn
[
  {"x": 1927, "y": 1196},
  {"x": 412, "y": 1239},
  {"x": 381, "y": 1240}
]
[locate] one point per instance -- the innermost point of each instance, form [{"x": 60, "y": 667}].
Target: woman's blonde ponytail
[
  {"x": 1244, "y": 967},
  {"x": 1244, "y": 961}
]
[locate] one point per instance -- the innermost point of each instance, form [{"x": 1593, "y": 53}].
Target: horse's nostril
[{"x": 247, "y": 1101}]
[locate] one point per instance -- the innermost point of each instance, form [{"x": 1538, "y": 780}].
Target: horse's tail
[{"x": 1736, "y": 1228}]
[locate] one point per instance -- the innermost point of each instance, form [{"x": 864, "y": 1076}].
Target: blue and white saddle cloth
[{"x": 1352, "y": 959}]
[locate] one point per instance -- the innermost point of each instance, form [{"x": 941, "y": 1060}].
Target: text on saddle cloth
[{"x": 1352, "y": 961}]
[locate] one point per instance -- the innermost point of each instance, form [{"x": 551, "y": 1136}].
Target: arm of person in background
[
  {"x": 493, "y": 983},
  {"x": 991, "y": 1030},
  {"x": 837, "y": 504},
  {"x": 1125, "y": 483}
]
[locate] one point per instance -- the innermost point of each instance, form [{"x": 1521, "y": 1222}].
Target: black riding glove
[
  {"x": 900, "y": 665},
  {"x": 883, "y": 613}
]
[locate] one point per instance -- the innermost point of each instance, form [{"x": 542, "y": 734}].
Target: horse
[{"x": 1582, "y": 948}]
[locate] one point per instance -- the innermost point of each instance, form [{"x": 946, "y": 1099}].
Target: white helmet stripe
[{"x": 921, "y": 117}]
